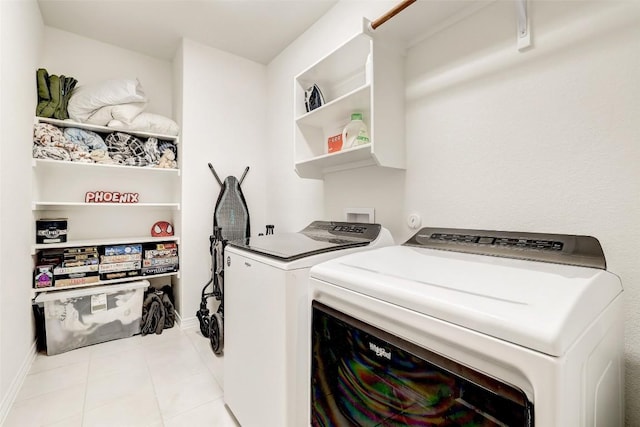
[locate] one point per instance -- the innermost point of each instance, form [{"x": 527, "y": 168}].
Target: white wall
[
  {"x": 19, "y": 20},
  {"x": 294, "y": 202},
  {"x": 544, "y": 140},
  {"x": 223, "y": 123},
  {"x": 91, "y": 61}
]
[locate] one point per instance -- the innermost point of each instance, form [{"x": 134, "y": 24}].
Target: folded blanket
[
  {"x": 118, "y": 146},
  {"x": 53, "y": 153},
  {"x": 167, "y": 145},
  {"x": 80, "y": 145},
  {"x": 129, "y": 150},
  {"x": 151, "y": 150},
  {"x": 102, "y": 157},
  {"x": 81, "y": 155},
  {"x": 85, "y": 138},
  {"x": 46, "y": 134}
]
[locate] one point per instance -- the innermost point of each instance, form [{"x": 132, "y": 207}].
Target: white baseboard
[
  {"x": 18, "y": 380},
  {"x": 187, "y": 322}
]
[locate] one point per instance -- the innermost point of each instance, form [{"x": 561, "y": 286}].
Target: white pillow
[
  {"x": 85, "y": 100},
  {"x": 148, "y": 122},
  {"x": 123, "y": 112}
]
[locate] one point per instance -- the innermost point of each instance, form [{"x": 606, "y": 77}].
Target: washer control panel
[{"x": 332, "y": 229}]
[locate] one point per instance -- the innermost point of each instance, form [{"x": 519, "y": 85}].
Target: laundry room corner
[{"x": 223, "y": 98}]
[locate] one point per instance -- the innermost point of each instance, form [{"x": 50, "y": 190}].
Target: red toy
[{"x": 162, "y": 229}]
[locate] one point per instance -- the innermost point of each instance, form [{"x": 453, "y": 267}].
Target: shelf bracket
[{"x": 523, "y": 24}]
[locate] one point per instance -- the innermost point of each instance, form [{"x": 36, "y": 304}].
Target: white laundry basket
[{"x": 82, "y": 317}]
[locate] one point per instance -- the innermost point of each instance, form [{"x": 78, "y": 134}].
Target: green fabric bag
[
  {"x": 66, "y": 86},
  {"x": 42, "y": 78},
  {"x": 54, "y": 90},
  {"x": 53, "y": 94},
  {"x": 42, "y": 81}
]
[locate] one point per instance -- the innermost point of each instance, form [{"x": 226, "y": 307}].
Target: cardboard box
[
  {"x": 159, "y": 269},
  {"x": 160, "y": 261},
  {"x": 119, "y": 258},
  {"x": 122, "y": 250},
  {"x": 51, "y": 230},
  {"x": 120, "y": 266},
  {"x": 334, "y": 143},
  {"x": 87, "y": 279},
  {"x": 43, "y": 276},
  {"x": 120, "y": 274}
]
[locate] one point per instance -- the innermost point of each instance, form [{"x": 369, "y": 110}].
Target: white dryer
[
  {"x": 266, "y": 315},
  {"x": 468, "y": 327}
]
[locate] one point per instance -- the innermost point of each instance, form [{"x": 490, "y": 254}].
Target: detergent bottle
[{"x": 355, "y": 133}]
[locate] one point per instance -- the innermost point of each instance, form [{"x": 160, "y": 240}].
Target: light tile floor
[{"x": 172, "y": 380}]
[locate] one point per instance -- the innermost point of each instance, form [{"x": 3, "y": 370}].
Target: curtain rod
[{"x": 390, "y": 14}]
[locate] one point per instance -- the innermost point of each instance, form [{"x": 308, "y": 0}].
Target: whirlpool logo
[{"x": 379, "y": 351}]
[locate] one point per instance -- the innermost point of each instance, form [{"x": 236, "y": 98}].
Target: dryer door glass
[{"x": 363, "y": 376}]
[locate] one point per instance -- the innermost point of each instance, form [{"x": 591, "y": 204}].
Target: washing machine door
[{"x": 363, "y": 376}]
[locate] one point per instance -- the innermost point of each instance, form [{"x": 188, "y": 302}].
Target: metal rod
[
  {"x": 215, "y": 174},
  {"x": 243, "y": 175},
  {"x": 390, "y": 14}
]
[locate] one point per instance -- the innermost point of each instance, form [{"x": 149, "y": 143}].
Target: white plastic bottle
[{"x": 355, "y": 133}]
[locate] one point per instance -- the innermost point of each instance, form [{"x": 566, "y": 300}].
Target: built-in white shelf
[
  {"x": 103, "y": 282},
  {"x": 49, "y": 206},
  {"x": 103, "y": 129},
  {"x": 59, "y": 189},
  {"x": 103, "y": 242},
  {"x": 80, "y": 166}
]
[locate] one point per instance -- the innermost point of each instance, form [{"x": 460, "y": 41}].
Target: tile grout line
[
  {"x": 86, "y": 388},
  {"x": 153, "y": 384}
]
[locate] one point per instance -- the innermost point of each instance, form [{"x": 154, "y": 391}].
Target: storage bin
[{"x": 81, "y": 317}]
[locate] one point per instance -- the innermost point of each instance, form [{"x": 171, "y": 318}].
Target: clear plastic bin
[{"x": 81, "y": 317}]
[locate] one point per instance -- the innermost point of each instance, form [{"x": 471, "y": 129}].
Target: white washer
[
  {"x": 528, "y": 322},
  {"x": 266, "y": 315}
]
